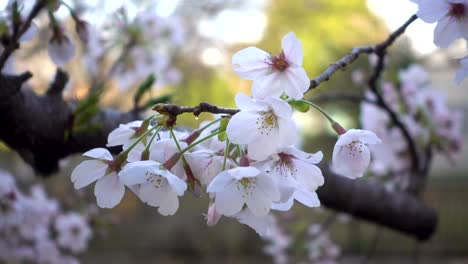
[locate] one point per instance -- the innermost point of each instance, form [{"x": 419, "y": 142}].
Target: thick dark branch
[
  {"x": 370, "y": 201},
  {"x": 35, "y": 126},
  {"x": 354, "y": 54}
]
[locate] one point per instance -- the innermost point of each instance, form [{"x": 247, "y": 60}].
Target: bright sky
[
  {"x": 394, "y": 13},
  {"x": 246, "y": 25}
]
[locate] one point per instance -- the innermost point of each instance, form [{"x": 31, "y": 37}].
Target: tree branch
[
  {"x": 40, "y": 140},
  {"x": 354, "y": 54},
  {"x": 370, "y": 201},
  {"x": 35, "y": 126},
  {"x": 12, "y": 42}
]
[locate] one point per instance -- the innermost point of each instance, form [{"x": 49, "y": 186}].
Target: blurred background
[{"x": 213, "y": 31}]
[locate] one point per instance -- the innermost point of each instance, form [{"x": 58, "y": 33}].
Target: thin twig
[
  {"x": 354, "y": 54},
  {"x": 381, "y": 50},
  {"x": 344, "y": 96},
  {"x": 13, "y": 41},
  {"x": 203, "y": 107}
]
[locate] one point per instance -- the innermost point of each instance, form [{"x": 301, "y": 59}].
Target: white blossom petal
[
  {"x": 250, "y": 63},
  {"x": 229, "y": 202},
  {"x": 87, "y": 172},
  {"x": 298, "y": 82},
  {"x": 242, "y": 128},
  {"x": 431, "y": 11},
  {"x": 99, "y": 153},
  {"x": 109, "y": 191},
  {"x": 268, "y": 85},
  {"x": 292, "y": 48},
  {"x": 446, "y": 32}
]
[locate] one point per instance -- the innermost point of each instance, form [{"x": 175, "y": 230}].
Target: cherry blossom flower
[
  {"x": 73, "y": 232},
  {"x": 296, "y": 175},
  {"x": 123, "y": 134},
  {"x": 61, "y": 49},
  {"x": 263, "y": 125},
  {"x": 108, "y": 190},
  {"x": 158, "y": 186},
  {"x": 243, "y": 185},
  {"x": 452, "y": 18},
  {"x": 206, "y": 165},
  {"x": 274, "y": 74},
  {"x": 462, "y": 71},
  {"x": 351, "y": 155},
  {"x": 260, "y": 223}
]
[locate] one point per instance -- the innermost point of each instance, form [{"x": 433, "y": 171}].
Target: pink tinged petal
[
  {"x": 61, "y": 52},
  {"x": 297, "y": 82},
  {"x": 178, "y": 185},
  {"x": 268, "y": 85},
  {"x": 251, "y": 63},
  {"x": 446, "y": 32},
  {"x": 205, "y": 165},
  {"x": 369, "y": 137},
  {"x": 120, "y": 136},
  {"x": 243, "y": 172},
  {"x": 286, "y": 206},
  {"x": 246, "y": 103},
  {"x": 292, "y": 48},
  {"x": 230, "y": 201},
  {"x": 280, "y": 108},
  {"x": 87, "y": 172},
  {"x": 220, "y": 182},
  {"x": 109, "y": 191},
  {"x": 242, "y": 128},
  {"x": 164, "y": 149},
  {"x": 261, "y": 225},
  {"x": 308, "y": 175},
  {"x": 351, "y": 161},
  {"x": 307, "y": 198},
  {"x": 431, "y": 11},
  {"x": 99, "y": 153}
]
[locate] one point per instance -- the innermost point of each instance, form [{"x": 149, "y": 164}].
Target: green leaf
[
  {"x": 144, "y": 87},
  {"x": 300, "y": 106},
  {"x": 87, "y": 115},
  {"x": 91, "y": 100}
]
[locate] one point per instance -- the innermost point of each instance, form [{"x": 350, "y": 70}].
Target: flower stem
[
  {"x": 200, "y": 141},
  {"x": 226, "y": 153},
  {"x": 335, "y": 125}
]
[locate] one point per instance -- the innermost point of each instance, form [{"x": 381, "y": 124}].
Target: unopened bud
[
  {"x": 212, "y": 217},
  {"x": 338, "y": 128}
]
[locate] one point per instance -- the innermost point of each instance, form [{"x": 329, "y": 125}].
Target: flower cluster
[
  {"x": 424, "y": 112},
  {"x": 134, "y": 41},
  {"x": 34, "y": 229},
  {"x": 452, "y": 24},
  {"x": 247, "y": 163}
]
